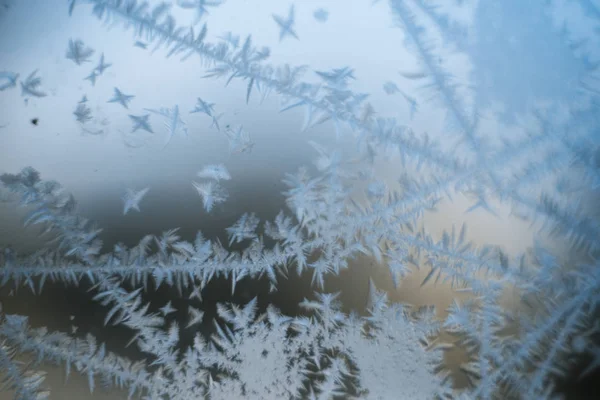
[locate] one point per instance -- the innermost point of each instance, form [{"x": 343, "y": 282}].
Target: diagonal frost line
[
  {"x": 569, "y": 310},
  {"x": 262, "y": 74},
  {"x": 444, "y": 85},
  {"x": 62, "y": 348},
  {"x": 441, "y": 79},
  {"x": 453, "y": 103},
  {"x": 256, "y": 72},
  {"x": 407, "y": 144},
  {"x": 24, "y": 382}
]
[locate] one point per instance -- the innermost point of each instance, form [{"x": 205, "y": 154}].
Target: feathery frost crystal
[{"x": 448, "y": 126}]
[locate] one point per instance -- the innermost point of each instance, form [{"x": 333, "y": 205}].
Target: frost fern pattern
[{"x": 392, "y": 350}]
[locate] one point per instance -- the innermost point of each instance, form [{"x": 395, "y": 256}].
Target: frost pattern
[{"x": 325, "y": 353}]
